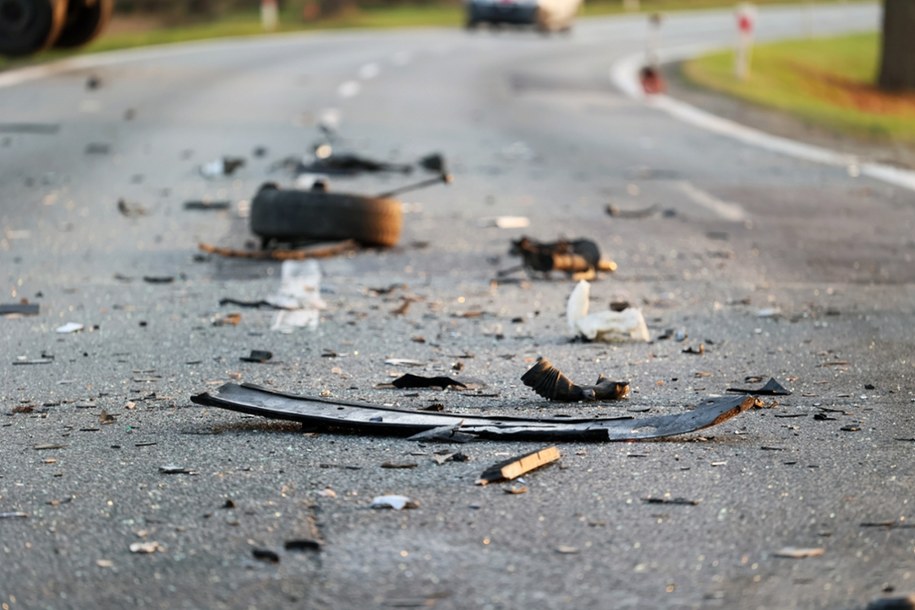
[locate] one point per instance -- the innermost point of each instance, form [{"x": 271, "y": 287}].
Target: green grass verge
[{"x": 827, "y": 82}]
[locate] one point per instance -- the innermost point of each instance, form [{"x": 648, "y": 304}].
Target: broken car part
[
  {"x": 19, "y": 309},
  {"x": 417, "y": 381},
  {"x": 361, "y": 417},
  {"x": 573, "y": 257},
  {"x": 289, "y": 215},
  {"x": 771, "y": 388},
  {"x": 513, "y": 468},
  {"x": 550, "y": 383}
]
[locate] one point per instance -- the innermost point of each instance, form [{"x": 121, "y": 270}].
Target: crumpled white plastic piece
[
  {"x": 70, "y": 327},
  {"x": 608, "y": 326},
  {"x": 395, "y": 502},
  {"x": 299, "y": 296}
]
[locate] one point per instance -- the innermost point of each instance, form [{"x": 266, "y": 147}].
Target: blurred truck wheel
[
  {"x": 85, "y": 20},
  {"x": 28, "y": 26}
]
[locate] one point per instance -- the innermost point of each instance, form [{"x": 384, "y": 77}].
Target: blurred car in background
[{"x": 545, "y": 15}]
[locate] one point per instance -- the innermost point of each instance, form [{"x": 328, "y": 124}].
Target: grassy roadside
[{"x": 825, "y": 82}]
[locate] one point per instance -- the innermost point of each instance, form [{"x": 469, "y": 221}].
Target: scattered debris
[
  {"x": 771, "y": 388},
  {"x": 302, "y": 544},
  {"x": 258, "y": 356},
  {"x": 320, "y": 250},
  {"x": 666, "y": 500},
  {"x": 47, "y": 446},
  {"x": 265, "y": 555},
  {"x": 230, "y": 319},
  {"x": 207, "y": 206},
  {"x": 324, "y": 413},
  {"x": 698, "y": 351},
  {"x": 618, "y": 212},
  {"x": 19, "y": 309},
  {"x": 792, "y": 552},
  {"x": 221, "y": 168},
  {"x": 158, "y": 279},
  {"x": 70, "y": 327},
  {"x": 147, "y": 548},
  {"x": 399, "y": 465},
  {"x": 22, "y": 360},
  {"x": 443, "y": 434},
  {"x": 579, "y": 258},
  {"x": 509, "y": 222},
  {"x": 513, "y": 468},
  {"x": 897, "y": 524},
  {"x": 97, "y": 148},
  {"x": 394, "y": 502},
  {"x": 549, "y": 382},
  {"x": 104, "y": 417},
  {"x": 251, "y": 304},
  {"x": 131, "y": 210},
  {"x": 565, "y": 549},
  {"x": 906, "y": 602},
  {"x": 769, "y": 312},
  {"x": 14, "y": 515},
  {"x": 403, "y": 362},
  {"x": 173, "y": 469},
  {"x": 299, "y": 296},
  {"x": 608, "y": 326},
  {"x": 515, "y": 490},
  {"x": 417, "y": 381}
]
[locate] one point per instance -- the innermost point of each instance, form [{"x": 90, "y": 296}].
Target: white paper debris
[
  {"x": 608, "y": 326},
  {"x": 299, "y": 296},
  {"x": 70, "y": 327}
]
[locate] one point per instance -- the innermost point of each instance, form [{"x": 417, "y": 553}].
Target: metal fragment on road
[
  {"x": 549, "y": 382},
  {"x": 771, "y": 388},
  {"x": 19, "y": 309},
  {"x": 905, "y": 602},
  {"x": 365, "y": 417}
]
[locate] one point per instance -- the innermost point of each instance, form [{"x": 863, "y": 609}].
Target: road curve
[{"x": 777, "y": 266}]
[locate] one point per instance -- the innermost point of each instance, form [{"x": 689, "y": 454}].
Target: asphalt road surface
[{"x": 777, "y": 266}]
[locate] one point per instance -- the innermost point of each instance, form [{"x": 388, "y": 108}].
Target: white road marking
[
  {"x": 402, "y": 58},
  {"x": 369, "y": 71},
  {"x": 624, "y": 73},
  {"x": 349, "y": 89},
  {"x": 724, "y": 209}
]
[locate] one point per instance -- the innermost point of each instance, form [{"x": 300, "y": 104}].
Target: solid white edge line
[{"x": 624, "y": 74}]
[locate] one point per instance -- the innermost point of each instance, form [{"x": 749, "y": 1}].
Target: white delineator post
[
  {"x": 746, "y": 20},
  {"x": 269, "y": 15}
]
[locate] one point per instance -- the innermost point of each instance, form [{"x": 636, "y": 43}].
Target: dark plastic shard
[
  {"x": 772, "y": 388},
  {"x": 410, "y": 380},
  {"x": 549, "y": 382},
  {"x": 344, "y": 416}
]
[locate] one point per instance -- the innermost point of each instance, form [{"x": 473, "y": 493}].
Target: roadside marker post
[
  {"x": 269, "y": 15},
  {"x": 746, "y": 22}
]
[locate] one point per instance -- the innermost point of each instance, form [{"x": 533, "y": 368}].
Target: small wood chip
[{"x": 793, "y": 552}]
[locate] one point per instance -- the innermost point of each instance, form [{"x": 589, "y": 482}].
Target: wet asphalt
[{"x": 777, "y": 267}]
